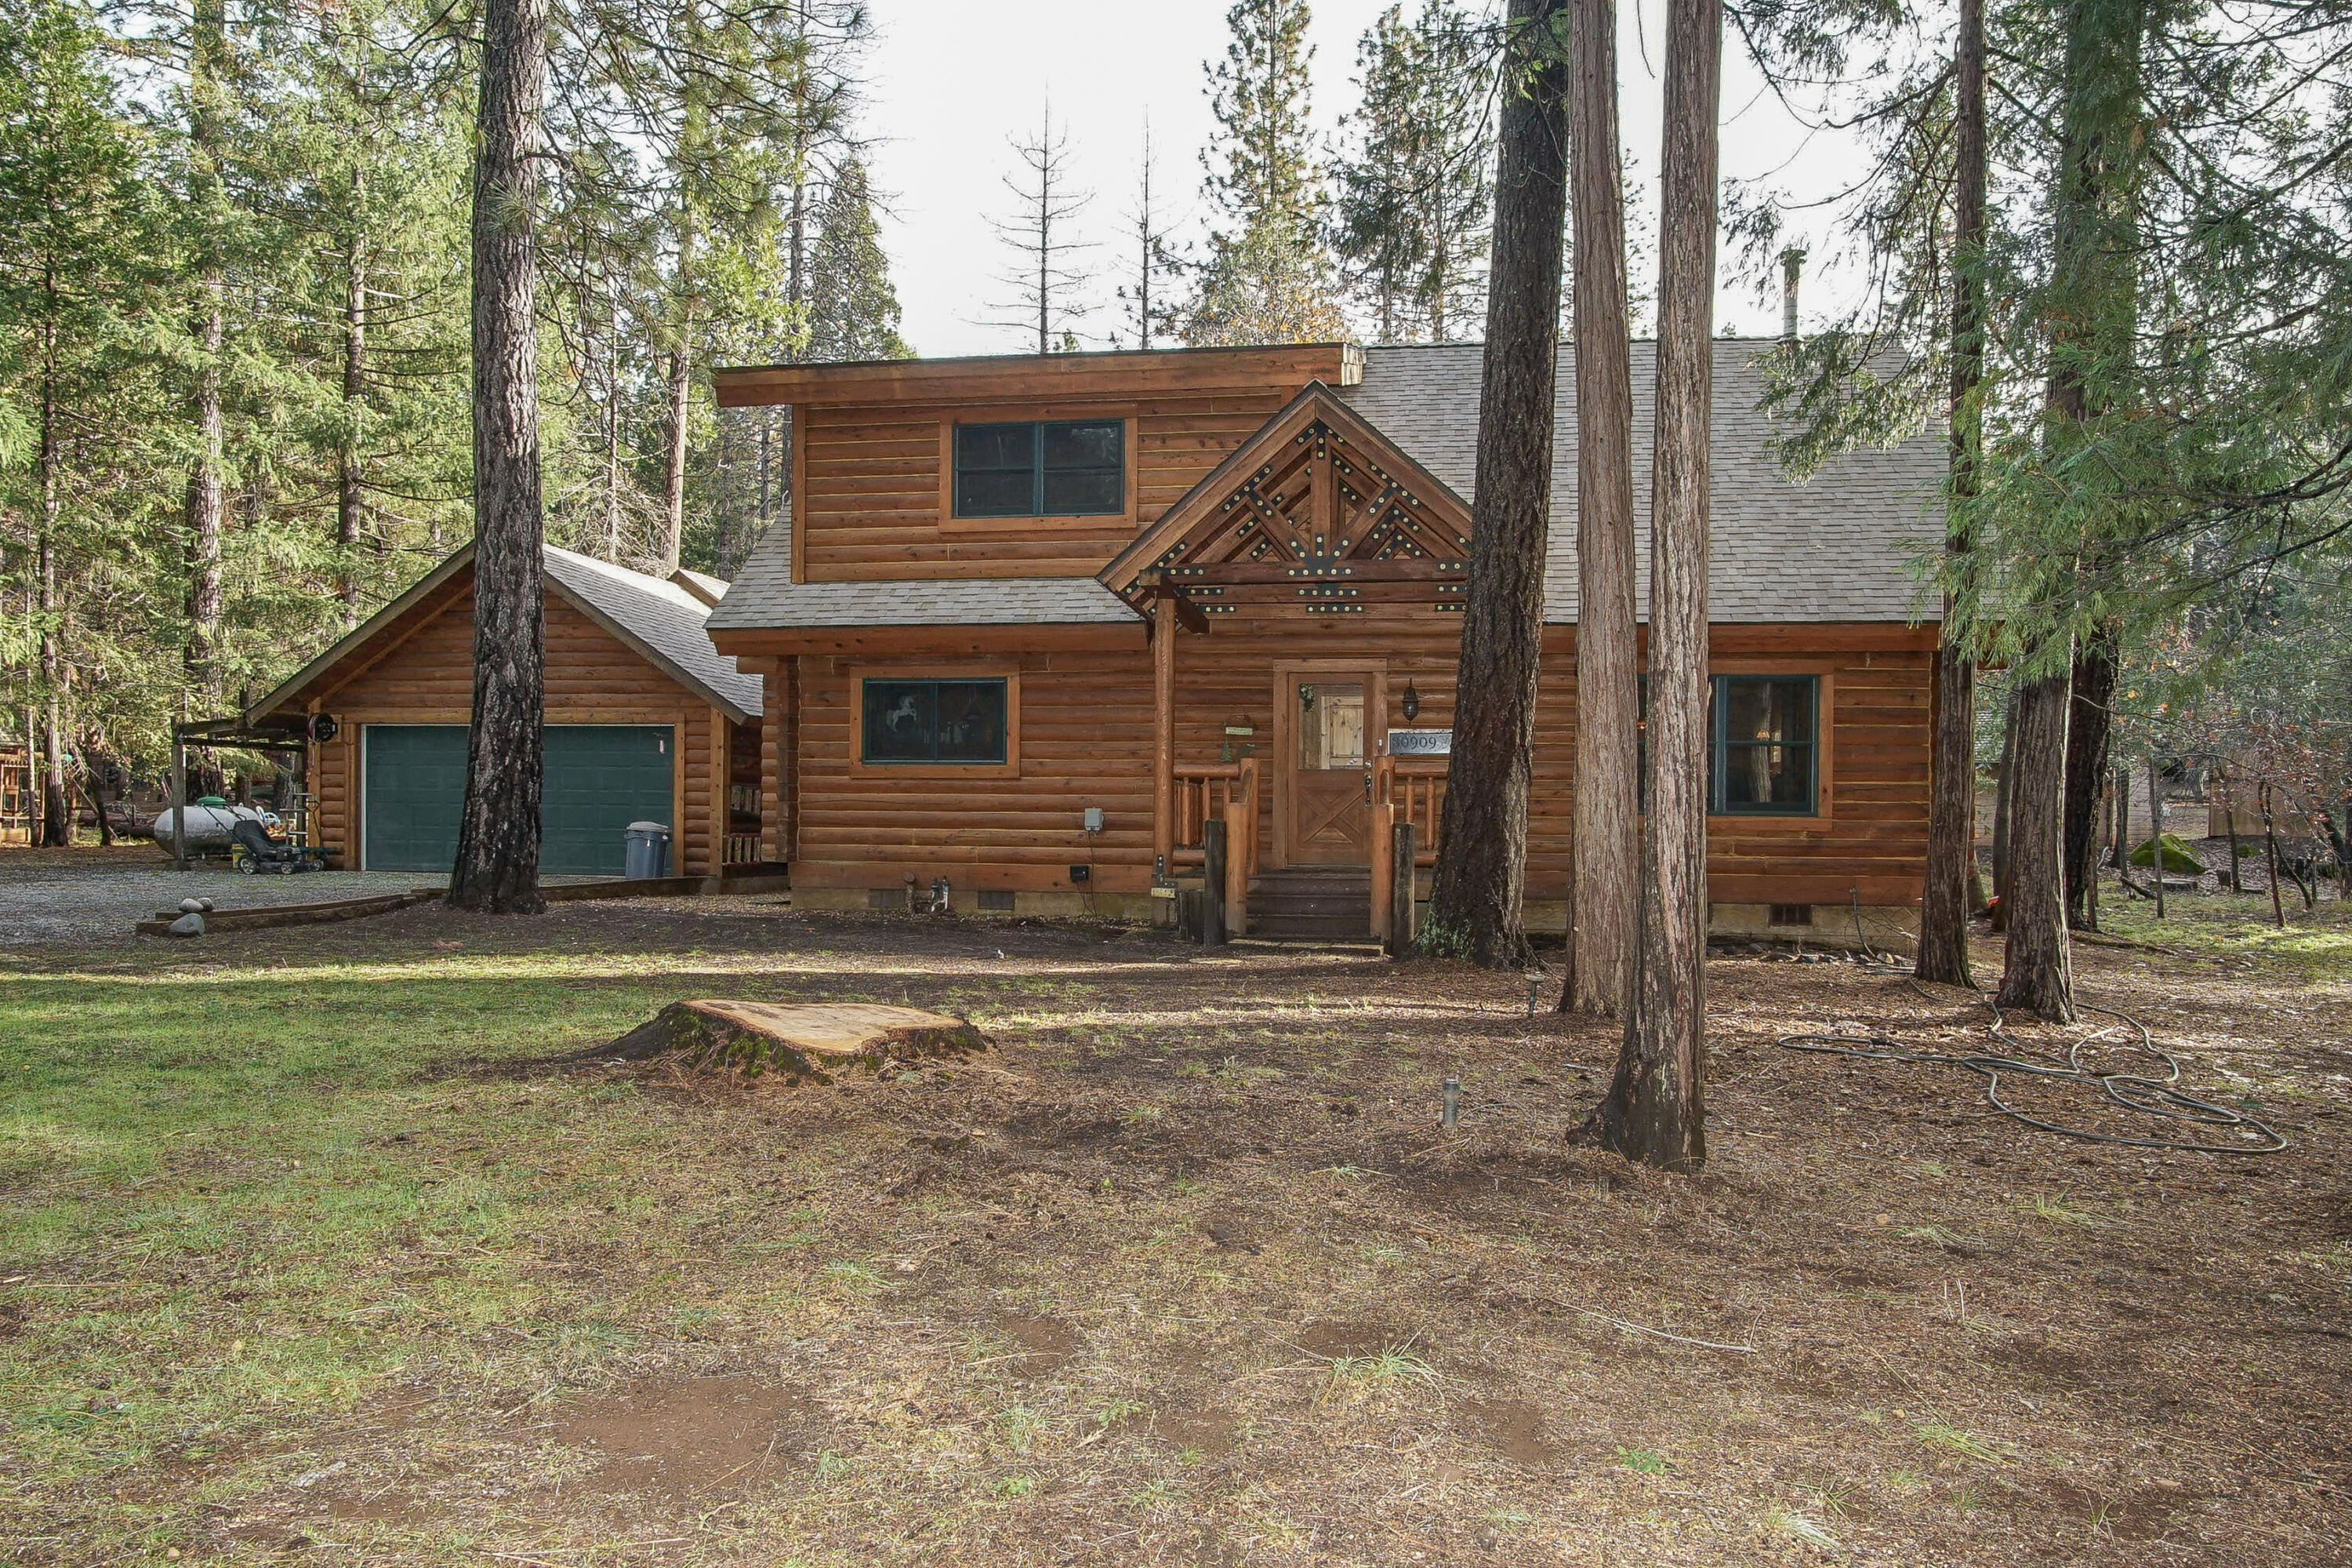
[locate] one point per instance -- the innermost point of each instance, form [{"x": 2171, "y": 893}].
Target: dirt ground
[{"x": 1183, "y": 1271}]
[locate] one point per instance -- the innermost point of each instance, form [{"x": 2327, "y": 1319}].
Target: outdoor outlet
[
  {"x": 1094, "y": 819},
  {"x": 1081, "y": 873}
]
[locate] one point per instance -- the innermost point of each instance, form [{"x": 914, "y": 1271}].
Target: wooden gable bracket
[
  {"x": 1317, "y": 510},
  {"x": 1188, "y": 615}
]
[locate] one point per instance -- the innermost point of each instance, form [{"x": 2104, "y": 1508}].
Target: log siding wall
[
  {"x": 874, "y": 482},
  {"x": 1088, "y": 728}
]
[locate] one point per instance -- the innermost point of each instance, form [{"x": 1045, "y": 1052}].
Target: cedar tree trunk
[
  {"x": 2037, "y": 964},
  {"x": 207, "y": 55},
  {"x": 1473, "y": 907},
  {"x": 1656, "y": 1108},
  {"x": 2002, "y": 795},
  {"x": 1605, "y": 875},
  {"x": 1952, "y": 789},
  {"x": 351, "y": 502},
  {"x": 497, "y": 834},
  {"x": 2088, "y": 726}
]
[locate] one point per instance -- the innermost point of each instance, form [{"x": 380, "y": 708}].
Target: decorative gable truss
[{"x": 1317, "y": 511}]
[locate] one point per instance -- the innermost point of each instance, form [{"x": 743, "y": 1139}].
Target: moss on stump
[{"x": 801, "y": 1044}]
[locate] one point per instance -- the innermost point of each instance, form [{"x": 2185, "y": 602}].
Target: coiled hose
[{"x": 2132, "y": 1091}]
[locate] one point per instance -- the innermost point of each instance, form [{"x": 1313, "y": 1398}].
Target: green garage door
[{"x": 600, "y": 778}]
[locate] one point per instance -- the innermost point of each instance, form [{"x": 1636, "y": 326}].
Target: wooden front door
[{"x": 1328, "y": 769}]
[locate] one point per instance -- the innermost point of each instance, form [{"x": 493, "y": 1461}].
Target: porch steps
[{"x": 1312, "y": 903}]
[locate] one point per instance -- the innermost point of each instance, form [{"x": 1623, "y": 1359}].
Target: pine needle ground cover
[{"x": 314, "y": 1247}]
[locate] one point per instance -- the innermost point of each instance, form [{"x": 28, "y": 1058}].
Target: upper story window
[
  {"x": 1041, "y": 468},
  {"x": 1766, "y": 729}
]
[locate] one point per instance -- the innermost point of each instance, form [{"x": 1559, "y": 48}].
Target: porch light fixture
[{"x": 1411, "y": 702}]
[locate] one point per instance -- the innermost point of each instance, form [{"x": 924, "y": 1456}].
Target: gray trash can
[{"x": 649, "y": 851}]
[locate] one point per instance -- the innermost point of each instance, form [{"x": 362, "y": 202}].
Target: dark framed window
[
  {"x": 1044, "y": 468},
  {"x": 1763, "y": 745},
  {"x": 1766, "y": 750},
  {"x": 926, "y": 721}
]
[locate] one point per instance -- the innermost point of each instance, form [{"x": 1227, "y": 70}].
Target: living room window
[
  {"x": 1763, "y": 745},
  {"x": 929, "y": 722},
  {"x": 1041, "y": 468}
]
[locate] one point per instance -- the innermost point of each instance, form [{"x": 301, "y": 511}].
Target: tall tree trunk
[
  {"x": 1606, "y": 873},
  {"x": 2093, "y": 309},
  {"x": 207, "y": 508},
  {"x": 613, "y": 427},
  {"x": 1474, "y": 897},
  {"x": 2037, "y": 964},
  {"x": 57, "y": 827},
  {"x": 2004, "y": 796},
  {"x": 681, "y": 382},
  {"x": 351, "y": 499},
  {"x": 499, "y": 830},
  {"x": 1656, "y": 1108},
  {"x": 1944, "y": 909},
  {"x": 2088, "y": 727}
]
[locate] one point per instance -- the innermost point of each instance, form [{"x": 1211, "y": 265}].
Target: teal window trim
[
  {"x": 970, "y": 463},
  {"x": 1720, "y": 747}
]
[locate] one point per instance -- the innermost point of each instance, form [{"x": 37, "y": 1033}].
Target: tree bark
[
  {"x": 350, "y": 498},
  {"x": 1656, "y": 1109},
  {"x": 1943, "y": 908},
  {"x": 1605, "y": 875},
  {"x": 2004, "y": 797},
  {"x": 673, "y": 530},
  {"x": 499, "y": 830},
  {"x": 2037, "y": 964},
  {"x": 206, "y": 509},
  {"x": 2270, "y": 841},
  {"x": 1474, "y": 897},
  {"x": 2089, "y": 725},
  {"x": 56, "y": 831}
]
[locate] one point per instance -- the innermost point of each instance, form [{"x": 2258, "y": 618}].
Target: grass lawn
[{"x": 312, "y": 1242}]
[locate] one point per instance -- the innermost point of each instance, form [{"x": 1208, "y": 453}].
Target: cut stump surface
[{"x": 807, "y": 1044}]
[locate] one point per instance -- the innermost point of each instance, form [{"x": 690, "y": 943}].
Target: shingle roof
[
  {"x": 662, "y": 618},
  {"x": 1837, "y": 547},
  {"x": 764, "y": 594}
]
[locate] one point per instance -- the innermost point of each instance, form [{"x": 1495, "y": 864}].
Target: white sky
[{"x": 950, "y": 81}]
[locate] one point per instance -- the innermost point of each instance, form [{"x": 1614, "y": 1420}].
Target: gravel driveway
[{"x": 98, "y": 895}]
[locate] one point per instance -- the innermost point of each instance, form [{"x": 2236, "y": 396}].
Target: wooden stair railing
[
  {"x": 1207, "y": 790},
  {"x": 1404, "y": 789}
]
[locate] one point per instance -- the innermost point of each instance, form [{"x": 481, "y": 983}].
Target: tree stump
[{"x": 804, "y": 1044}]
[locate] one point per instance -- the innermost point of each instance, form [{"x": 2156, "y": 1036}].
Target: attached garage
[{"x": 645, "y": 723}]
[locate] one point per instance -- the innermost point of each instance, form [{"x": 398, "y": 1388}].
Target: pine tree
[
  {"x": 497, "y": 868},
  {"x": 1145, "y": 299},
  {"x": 1268, "y": 278},
  {"x": 1413, "y": 198},
  {"x": 73, "y": 232},
  {"x": 1475, "y": 899},
  {"x": 853, "y": 307},
  {"x": 1047, "y": 279}
]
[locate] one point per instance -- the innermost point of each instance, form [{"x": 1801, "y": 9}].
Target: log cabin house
[
  {"x": 643, "y": 722},
  {"x": 1034, "y": 620}
]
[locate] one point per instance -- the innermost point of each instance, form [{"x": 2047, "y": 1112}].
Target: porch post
[
  {"x": 1163, "y": 736},
  {"x": 179, "y": 801}
]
